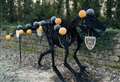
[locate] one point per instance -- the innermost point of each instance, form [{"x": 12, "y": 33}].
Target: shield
[{"x": 90, "y": 42}]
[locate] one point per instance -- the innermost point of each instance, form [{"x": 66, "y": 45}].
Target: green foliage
[
  {"x": 117, "y": 13},
  {"x": 114, "y": 66},
  {"x": 109, "y": 6},
  {"x": 102, "y": 42},
  {"x": 27, "y": 10}
]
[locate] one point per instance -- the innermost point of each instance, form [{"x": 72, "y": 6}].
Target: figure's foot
[
  {"x": 82, "y": 77},
  {"x": 83, "y": 69},
  {"x": 43, "y": 67},
  {"x": 37, "y": 66},
  {"x": 79, "y": 77}
]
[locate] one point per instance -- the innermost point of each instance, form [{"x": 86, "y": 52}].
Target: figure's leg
[
  {"x": 82, "y": 67},
  {"x": 42, "y": 55},
  {"x": 50, "y": 42},
  {"x": 66, "y": 63},
  {"x": 83, "y": 71},
  {"x": 78, "y": 76},
  {"x": 41, "y": 38},
  {"x": 83, "y": 74},
  {"x": 55, "y": 68}
]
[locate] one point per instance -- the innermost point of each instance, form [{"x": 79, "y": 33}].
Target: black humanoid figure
[
  {"x": 90, "y": 24},
  {"x": 65, "y": 41}
]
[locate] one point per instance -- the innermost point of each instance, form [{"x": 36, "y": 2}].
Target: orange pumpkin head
[
  {"x": 21, "y": 32},
  {"x": 17, "y": 33},
  {"x": 29, "y": 32},
  {"x": 58, "y": 21},
  {"x": 62, "y": 31},
  {"x": 8, "y": 37},
  {"x": 39, "y": 31},
  {"x": 82, "y": 14}
]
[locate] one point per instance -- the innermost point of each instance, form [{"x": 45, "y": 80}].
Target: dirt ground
[{"x": 12, "y": 71}]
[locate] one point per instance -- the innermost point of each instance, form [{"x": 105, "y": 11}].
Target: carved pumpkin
[
  {"x": 82, "y": 13},
  {"x": 21, "y": 32},
  {"x": 8, "y": 37},
  {"x": 58, "y": 21},
  {"x": 39, "y": 31},
  {"x": 17, "y": 33},
  {"x": 62, "y": 31},
  {"x": 29, "y": 32}
]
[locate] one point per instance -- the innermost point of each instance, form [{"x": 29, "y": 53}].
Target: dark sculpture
[
  {"x": 89, "y": 24},
  {"x": 75, "y": 30}
]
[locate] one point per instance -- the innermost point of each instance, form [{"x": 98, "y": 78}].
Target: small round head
[
  {"x": 82, "y": 14},
  {"x": 41, "y": 22},
  {"x": 28, "y": 26},
  {"x": 58, "y": 21},
  {"x": 53, "y": 18},
  {"x": 90, "y": 11},
  {"x": 19, "y": 27},
  {"x": 35, "y": 25}
]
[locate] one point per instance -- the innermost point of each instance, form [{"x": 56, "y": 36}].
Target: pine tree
[
  {"x": 60, "y": 7},
  {"x": 95, "y": 4},
  {"x": 67, "y": 9},
  {"x": 27, "y": 9},
  {"x": 117, "y": 12},
  {"x": 11, "y": 10},
  {"x": 19, "y": 10},
  {"x": 109, "y": 9},
  {"x": 36, "y": 10},
  {"x": 3, "y": 10}
]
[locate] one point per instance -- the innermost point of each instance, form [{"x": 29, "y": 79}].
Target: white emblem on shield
[{"x": 90, "y": 42}]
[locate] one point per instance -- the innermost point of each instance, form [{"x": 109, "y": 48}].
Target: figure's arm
[{"x": 76, "y": 21}]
